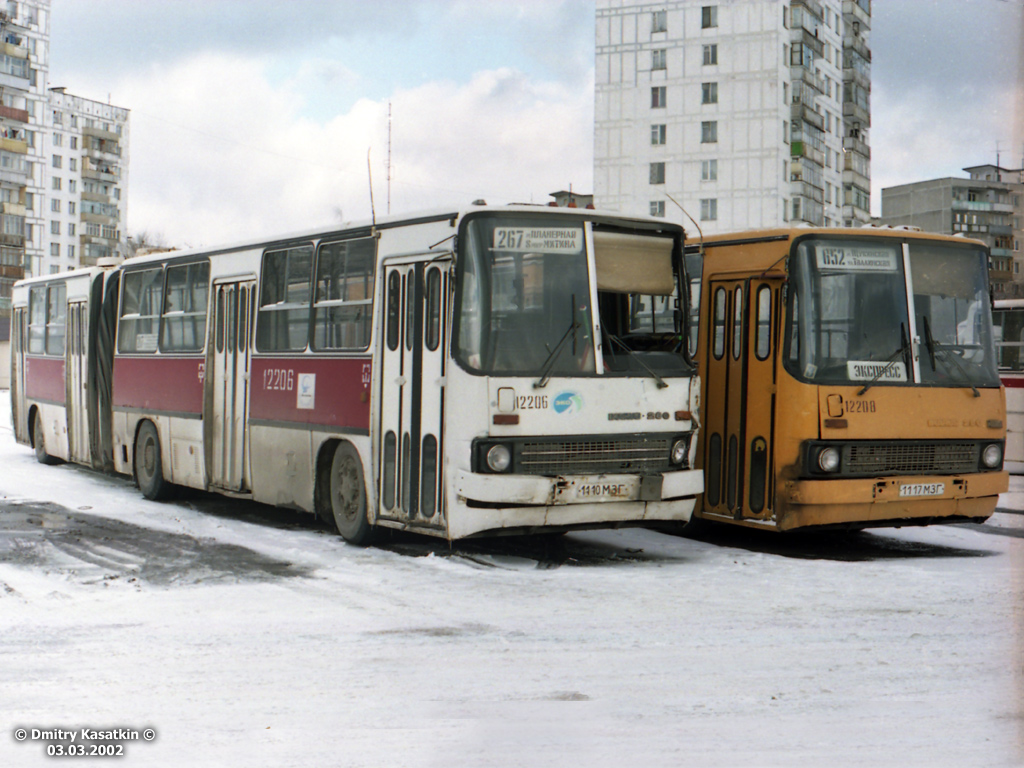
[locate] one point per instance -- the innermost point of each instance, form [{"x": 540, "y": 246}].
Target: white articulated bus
[{"x": 462, "y": 373}]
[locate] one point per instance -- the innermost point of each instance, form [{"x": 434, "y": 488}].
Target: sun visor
[{"x": 633, "y": 263}]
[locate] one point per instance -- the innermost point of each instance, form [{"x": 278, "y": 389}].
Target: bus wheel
[
  {"x": 39, "y": 443},
  {"x": 149, "y": 471},
  {"x": 348, "y": 496}
]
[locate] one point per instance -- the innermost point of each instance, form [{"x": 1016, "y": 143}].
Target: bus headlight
[
  {"x": 499, "y": 458},
  {"x": 828, "y": 460},
  {"x": 992, "y": 455},
  {"x": 680, "y": 450}
]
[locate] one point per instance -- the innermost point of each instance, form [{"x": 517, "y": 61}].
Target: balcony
[
  {"x": 851, "y": 144},
  {"x": 859, "y": 45},
  {"x": 813, "y": 7},
  {"x": 12, "y": 270},
  {"x": 96, "y": 197},
  {"x": 798, "y": 149},
  {"x": 979, "y": 206},
  {"x": 852, "y": 111},
  {"x": 807, "y": 191},
  {"x": 99, "y": 133},
  {"x": 18, "y": 241},
  {"x": 850, "y": 176},
  {"x": 808, "y": 115},
  {"x": 851, "y": 74},
  {"x": 809, "y": 78},
  {"x": 809, "y": 39},
  {"x": 99, "y": 218},
  {"x": 10, "y": 113},
  {"x": 97, "y": 175},
  {"x": 12, "y": 209},
  {"x": 853, "y": 10},
  {"x": 15, "y": 51},
  {"x": 1000, "y": 229},
  {"x": 17, "y": 146}
]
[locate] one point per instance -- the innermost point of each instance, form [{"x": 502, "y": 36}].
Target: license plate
[
  {"x": 608, "y": 488},
  {"x": 922, "y": 489}
]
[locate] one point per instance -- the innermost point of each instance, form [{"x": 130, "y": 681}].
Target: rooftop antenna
[
  {"x": 699, "y": 233},
  {"x": 389, "y": 158},
  {"x": 369, "y": 173}
]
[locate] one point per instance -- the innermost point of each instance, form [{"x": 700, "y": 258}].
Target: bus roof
[{"x": 390, "y": 222}]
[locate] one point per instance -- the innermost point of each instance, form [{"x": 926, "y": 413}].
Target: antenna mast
[
  {"x": 389, "y": 158},
  {"x": 369, "y": 174}
]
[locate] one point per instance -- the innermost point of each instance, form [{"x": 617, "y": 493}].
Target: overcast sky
[{"x": 255, "y": 117}]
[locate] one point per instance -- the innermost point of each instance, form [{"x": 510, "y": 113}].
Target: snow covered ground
[{"x": 245, "y": 635}]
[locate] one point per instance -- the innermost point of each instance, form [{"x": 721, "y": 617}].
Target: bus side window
[
  {"x": 719, "y": 333},
  {"x": 282, "y": 324},
  {"x": 433, "y": 329},
  {"x": 737, "y": 325},
  {"x": 184, "y": 313},
  {"x": 142, "y": 293},
  {"x": 344, "y": 294},
  {"x": 56, "y": 319},
  {"x": 37, "y": 320},
  {"x": 394, "y": 309},
  {"x": 762, "y": 347}
]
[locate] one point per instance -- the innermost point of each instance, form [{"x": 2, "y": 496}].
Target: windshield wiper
[
  {"x": 549, "y": 363},
  {"x": 904, "y": 346},
  {"x": 662, "y": 384},
  {"x": 947, "y": 356}
]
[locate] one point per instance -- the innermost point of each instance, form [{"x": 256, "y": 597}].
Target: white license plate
[
  {"x": 922, "y": 489},
  {"x": 608, "y": 488}
]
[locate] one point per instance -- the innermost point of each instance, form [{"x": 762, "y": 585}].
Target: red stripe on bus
[
  {"x": 309, "y": 390},
  {"x": 158, "y": 383},
  {"x": 44, "y": 379},
  {"x": 1013, "y": 382}
]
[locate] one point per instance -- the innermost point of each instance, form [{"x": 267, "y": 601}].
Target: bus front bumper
[
  {"x": 826, "y": 502},
  {"x": 520, "y": 490}
]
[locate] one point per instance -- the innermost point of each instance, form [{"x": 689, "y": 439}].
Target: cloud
[{"x": 231, "y": 157}]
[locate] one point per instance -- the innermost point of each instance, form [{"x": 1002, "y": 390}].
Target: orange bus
[{"x": 849, "y": 379}]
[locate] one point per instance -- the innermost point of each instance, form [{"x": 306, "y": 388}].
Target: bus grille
[
  {"x": 912, "y": 458},
  {"x": 644, "y": 455}
]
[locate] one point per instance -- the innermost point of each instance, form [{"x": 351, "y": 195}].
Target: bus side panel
[
  {"x": 159, "y": 384},
  {"x": 296, "y": 404},
  {"x": 44, "y": 379}
]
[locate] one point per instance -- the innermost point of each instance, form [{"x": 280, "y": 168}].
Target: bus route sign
[{"x": 538, "y": 239}]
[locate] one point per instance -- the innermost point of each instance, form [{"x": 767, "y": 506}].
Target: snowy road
[{"x": 245, "y": 635}]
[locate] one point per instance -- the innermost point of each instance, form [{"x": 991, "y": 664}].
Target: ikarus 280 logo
[{"x": 567, "y": 402}]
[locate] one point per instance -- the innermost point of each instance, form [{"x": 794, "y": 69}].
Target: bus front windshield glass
[
  {"x": 525, "y": 307},
  {"x": 849, "y": 316}
]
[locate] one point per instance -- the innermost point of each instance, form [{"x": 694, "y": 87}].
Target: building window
[
  {"x": 58, "y": 140},
  {"x": 74, "y": 142},
  {"x": 659, "y": 59},
  {"x": 659, "y": 21},
  {"x": 54, "y": 227},
  {"x": 658, "y": 134},
  {"x": 54, "y": 249},
  {"x": 709, "y": 170},
  {"x": 71, "y": 249},
  {"x": 709, "y": 93},
  {"x": 72, "y": 185},
  {"x": 73, "y": 163},
  {"x": 55, "y": 205},
  {"x": 56, "y": 183},
  {"x": 71, "y": 207},
  {"x": 709, "y": 17},
  {"x": 657, "y": 173},
  {"x": 658, "y": 97},
  {"x": 71, "y": 230},
  {"x": 57, "y": 161},
  {"x": 710, "y": 54},
  {"x": 709, "y": 209},
  {"x": 709, "y": 132},
  {"x": 658, "y": 208}
]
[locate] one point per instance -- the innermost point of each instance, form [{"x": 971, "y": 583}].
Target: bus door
[
  {"x": 740, "y": 401},
  {"x": 77, "y": 348},
  {"x": 412, "y": 382},
  {"x": 18, "y": 348},
  {"x": 227, "y": 385}
]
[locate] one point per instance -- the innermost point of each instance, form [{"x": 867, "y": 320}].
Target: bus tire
[
  {"x": 39, "y": 443},
  {"x": 348, "y": 496},
  {"x": 149, "y": 471}
]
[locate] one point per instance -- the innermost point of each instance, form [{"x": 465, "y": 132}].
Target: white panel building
[
  {"x": 87, "y": 181},
  {"x": 748, "y": 113}
]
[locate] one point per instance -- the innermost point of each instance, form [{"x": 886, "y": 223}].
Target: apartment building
[
  {"x": 87, "y": 181},
  {"x": 987, "y": 205},
  {"x": 747, "y": 114},
  {"x": 24, "y": 66}
]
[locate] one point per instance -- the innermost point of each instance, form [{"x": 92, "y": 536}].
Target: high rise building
[
  {"x": 24, "y": 67},
  {"x": 87, "y": 179},
  {"x": 988, "y": 206},
  {"x": 748, "y": 114}
]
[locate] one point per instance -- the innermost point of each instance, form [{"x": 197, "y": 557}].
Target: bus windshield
[
  {"x": 849, "y": 319},
  {"x": 525, "y": 302}
]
